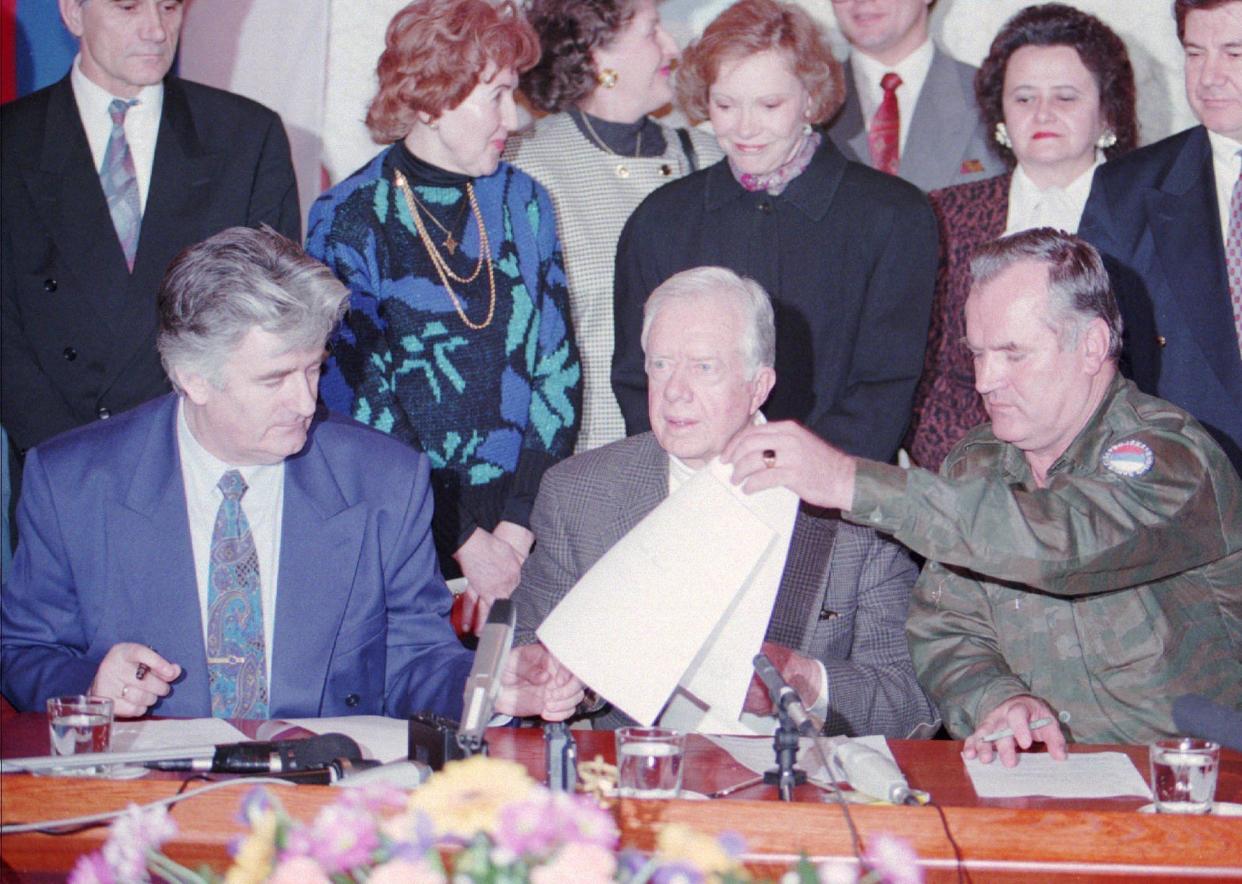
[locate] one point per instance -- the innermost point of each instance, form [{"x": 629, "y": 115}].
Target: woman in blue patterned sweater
[{"x": 458, "y": 337}]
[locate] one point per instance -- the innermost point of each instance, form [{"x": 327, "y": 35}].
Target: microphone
[
  {"x": 274, "y": 757},
  {"x": 872, "y": 773},
  {"x": 483, "y": 684},
  {"x": 1197, "y": 716},
  {"x": 784, "y": 697}
]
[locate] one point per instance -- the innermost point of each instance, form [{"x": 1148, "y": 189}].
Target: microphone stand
[{"x": 785, "y": 741}]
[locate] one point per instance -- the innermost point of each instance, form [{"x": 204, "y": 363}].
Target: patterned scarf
[{"x": 777, "y": 180}]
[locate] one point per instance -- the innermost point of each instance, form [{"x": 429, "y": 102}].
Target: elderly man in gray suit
[
  {"x": 837, "y": 629},
  {"x": 910, "y": 108}
]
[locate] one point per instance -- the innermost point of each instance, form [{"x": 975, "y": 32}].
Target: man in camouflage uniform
[{"x": 1084, "y": 548}]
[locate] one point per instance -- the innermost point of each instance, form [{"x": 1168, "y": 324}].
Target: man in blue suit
[
  {"x": 1161, "y": 218},
  {"x": 228, "y": 549}
]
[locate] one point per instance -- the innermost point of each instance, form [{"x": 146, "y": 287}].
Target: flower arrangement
[{"x": 479, "y": 821}]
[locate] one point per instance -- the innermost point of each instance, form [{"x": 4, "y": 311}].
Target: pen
[{"x": 1034, "y": 725}]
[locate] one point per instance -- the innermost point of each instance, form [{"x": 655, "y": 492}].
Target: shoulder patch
[{"x": 1129, "y": 459}]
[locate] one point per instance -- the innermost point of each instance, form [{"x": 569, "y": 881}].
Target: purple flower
[
  {"x": 733, "y": 843},
  {"x": 538, "y": 826},
  {"x": 91, "y": 868},
  {"x": 254, "y": 803},
  {"x": 677, "y": 873}
]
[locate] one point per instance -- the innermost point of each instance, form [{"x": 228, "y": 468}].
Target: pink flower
[
  {"x": 343, "y": 837},
  {"x": 299, "y": 870},
  {"x": 894, "y": 860},
  {"x": 577, "y": 863},
  {"x": 537, "y": 826},
  {"x": 134, "y": 833},
  {"x": 91, "y": 868},
  {"x": 402, "y": 871}
]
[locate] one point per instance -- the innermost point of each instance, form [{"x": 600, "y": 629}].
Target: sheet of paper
[
  {"x": 757, "y": 754},
  {"x": 1082, "y": 775},
  {"x": 382, "y": 739},
  {"x": 719, "y": 674},
  {"x": 638, "y": 619},
  {"x": 139, "y": 736}
]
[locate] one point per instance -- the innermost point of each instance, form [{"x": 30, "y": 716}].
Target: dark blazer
[
  {"x": 848, "y": 256},
  {"x": 842, "y": 600},
  {"x": 1153, "y": 214},
  {"x": 105, "y": 557},
  {"x": 78, "y": 329},
  {"x": 946, "y": 403},
  {"x": 947, "y": 143}
]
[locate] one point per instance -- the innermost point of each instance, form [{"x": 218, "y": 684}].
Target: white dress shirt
[
  {"x": 1056, "y": 207},
  {"x": 913, "y": 72},
  {"x": 1225, "y": 166},
  {"x": 263, "y": 504},
  {"x": 142, "y": 124}
]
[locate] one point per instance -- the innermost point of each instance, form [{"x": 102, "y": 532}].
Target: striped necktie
[
  {"x": 1233, "y": 256},
  {"x": 884, "y": 137},
  {"x": 120, "y": 182},
  {"x": 236, "y": 659}
]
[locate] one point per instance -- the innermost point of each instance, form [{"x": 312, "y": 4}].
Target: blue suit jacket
[
  {"x": 1153, "y": 215},
  {"x": 105, "y": 557}
]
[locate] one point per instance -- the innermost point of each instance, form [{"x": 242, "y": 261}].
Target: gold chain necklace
[
  {"x": 450, "y": 242},
  {"x": 442, "y": 269},
  {"x": 623, "y": 171}
]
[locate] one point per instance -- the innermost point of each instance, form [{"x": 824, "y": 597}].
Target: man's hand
[
  {"x": 1016, "y": 714},
  {"x": 134, "y": 676},
  {"x": 521, "y": 539},
  {"x": 801, "y": 461},
  {"x": 800, "y": 673},
  {"x": 535, "y": 683},
  {"x": 492, "y": 568}
]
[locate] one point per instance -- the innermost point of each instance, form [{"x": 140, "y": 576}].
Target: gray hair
[
  {"x": 216, "y": 291},
  {"x": 1079, "y": 290},
  {"x": 758, "y": 344}
]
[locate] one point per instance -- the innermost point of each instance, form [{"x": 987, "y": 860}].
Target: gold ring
[{"x": 769, "y": 458}]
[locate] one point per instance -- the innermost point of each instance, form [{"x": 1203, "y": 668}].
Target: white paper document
[
  {"x": 382, "y": 739},
  {"x": 757, "y": 753},
  {"x": 1081, "y": 775},
  {"x": 169, "y": 733},
  {"x": 681, "y": 603}
]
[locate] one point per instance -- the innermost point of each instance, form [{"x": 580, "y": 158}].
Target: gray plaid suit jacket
[{"x": 843, "y": 596}]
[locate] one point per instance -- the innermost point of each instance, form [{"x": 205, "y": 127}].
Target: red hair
[
  {"x": 436, "y": 51},
  {"x": 750, "y": 27}
]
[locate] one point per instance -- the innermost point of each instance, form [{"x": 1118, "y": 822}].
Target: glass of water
[
  {"x": 79, "y": 724},
  {"x": 649, "y": 762},
  {"x": 1183, "y": 774}
]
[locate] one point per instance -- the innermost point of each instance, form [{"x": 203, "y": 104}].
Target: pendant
[
  {"x": 623, "y": 171},
  {"x": 450, "y": 244}
]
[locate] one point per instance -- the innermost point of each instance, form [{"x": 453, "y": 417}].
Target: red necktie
[
  {"x": 884, "y": 139},
  {"x": 1233, "y": 257}
]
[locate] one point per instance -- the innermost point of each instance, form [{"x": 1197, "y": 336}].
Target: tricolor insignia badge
[{"x": 1129, "y": 459}]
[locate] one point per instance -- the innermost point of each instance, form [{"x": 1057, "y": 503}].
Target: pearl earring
[
  {"x": 1106, "y": 140},
  {"x": 1002, "y": 136}
]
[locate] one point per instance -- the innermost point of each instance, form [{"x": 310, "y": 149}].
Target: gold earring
[
  {"x": 1002, "y": 136},
  {"x": 608, "y": 78}
]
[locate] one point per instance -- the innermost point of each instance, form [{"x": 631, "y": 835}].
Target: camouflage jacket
[{"x": 1108, "y": 593}]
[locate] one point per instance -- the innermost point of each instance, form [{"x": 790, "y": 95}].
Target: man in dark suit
[
  {"x": 940, "y": 140},
  {"x": 106, "y": 176},
  {"x": 837, "y": 630},
  {"x": 1161, "y": 216},
  {"x": 228, "y": 550}
]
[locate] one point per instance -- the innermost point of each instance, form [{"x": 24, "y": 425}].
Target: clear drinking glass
[
  {"x": 1183, "y": 774},
  {"x": 649, "y": 762},
  {"x": 79, "y": 724}
]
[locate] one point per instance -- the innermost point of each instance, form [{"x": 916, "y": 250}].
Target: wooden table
[{"x": 1028, "y": 839}]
